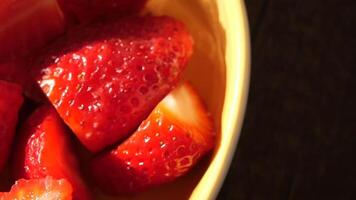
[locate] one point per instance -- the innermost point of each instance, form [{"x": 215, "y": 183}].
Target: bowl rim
[{"x": 237, "y": 84}]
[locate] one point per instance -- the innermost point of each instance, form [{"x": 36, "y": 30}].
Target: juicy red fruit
[
  {"x": 16, "y": 71},
  {"x": 45, "y": 149},
  {"x": 83, "y": 11},
  {"x": 165, "y": 146},
  {"x": 13, "y": 71},
  {"x": 46, "y": 188},
  {"x": 10, "y": 102},
  {"x": 104, "y": 79},
  {"x": 27, "y": 25}
]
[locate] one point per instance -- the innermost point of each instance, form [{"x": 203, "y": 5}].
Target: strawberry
[
  {"x": 27, "y": 25},
  {"x": 104, "y": 79},
  {"x": 45, "y": 150},
  {"x": 16, "y": 71},
  {"x": 36, "y": 189},
  {"x": 167, "y": 145},
  {"x": 13, "y": 71},
  {"x": 10, "y": 102},
  {"x": 82, "y": 11}
]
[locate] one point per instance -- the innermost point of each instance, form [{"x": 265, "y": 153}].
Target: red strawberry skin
[
  {"x": 27, "y": 25},
  {"x": 13, "y": 71},
  {"x": 10, "y": 102},
  {"x": 162, "y": 149},
  {"x": 82, "y": 11},
  {"x": 45, "y": 150},
  {"x": 105, "y": 79},
  {"x": 46, "y": 188},
  {"x": 17, "y": 71}
]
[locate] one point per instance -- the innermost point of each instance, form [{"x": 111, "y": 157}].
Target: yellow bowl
[{"x": 220, "y": 71}]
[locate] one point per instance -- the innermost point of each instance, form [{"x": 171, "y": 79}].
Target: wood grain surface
[{"x": 299, "y": 134}]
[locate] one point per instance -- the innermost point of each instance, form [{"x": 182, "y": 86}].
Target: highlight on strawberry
[
  {"x": 35, "y": 189},
  {"x": 174, "y": 137},
  {"x": 44, "y": 149}
]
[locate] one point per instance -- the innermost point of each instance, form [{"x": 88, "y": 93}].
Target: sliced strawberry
[
  {"x": 14, "y": 71},
  {"x": 105, "y": 79},
  {"x": 10, "y": 102},
  {"x": 82, "y": 11},
  {"x": 45, "y": 150},
  {"x": 36, "y": 189},
  {"x": 17, "y": 71},
  {"x": 27, "y": 25},
  {"x": 166, "y": 145}
]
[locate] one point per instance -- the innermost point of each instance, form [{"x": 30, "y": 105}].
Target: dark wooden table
[{"x": 299, "y": 135}]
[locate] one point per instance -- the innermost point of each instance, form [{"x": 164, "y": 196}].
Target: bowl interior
[{"x": 219, "y": 71}]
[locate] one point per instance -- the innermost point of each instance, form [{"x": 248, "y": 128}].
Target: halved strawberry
[
  {"x": 36, "y": 189},
  {"x": 28, "y": 24},
  {"x": 83, "y": 11},
  {"x": 10, "y": 102},
  {"x": 13, "y": 71},
  {"x": 104, "y": 79},
  {"x": 17, "y": 71},
  {"x": 167, "y": 145},
  {"x": 45, "y": 150}
]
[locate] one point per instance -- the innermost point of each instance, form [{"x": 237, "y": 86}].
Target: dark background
[{"x": 299, "y": 138}]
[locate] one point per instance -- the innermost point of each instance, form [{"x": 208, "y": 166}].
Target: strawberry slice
[
  {"x": 17, "y": 71},
  {"x": 10, "y": 102},
  {"x": 45, "y": 150},
  {"x": 167, "y": 145},
  {"x": 27, "y": 25},
  {"x": 36, "y": 189},
  {"x": 82, "y": 11},
  {"x": 104, "y": 79},
  {"x": 13, "y": 71}
]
